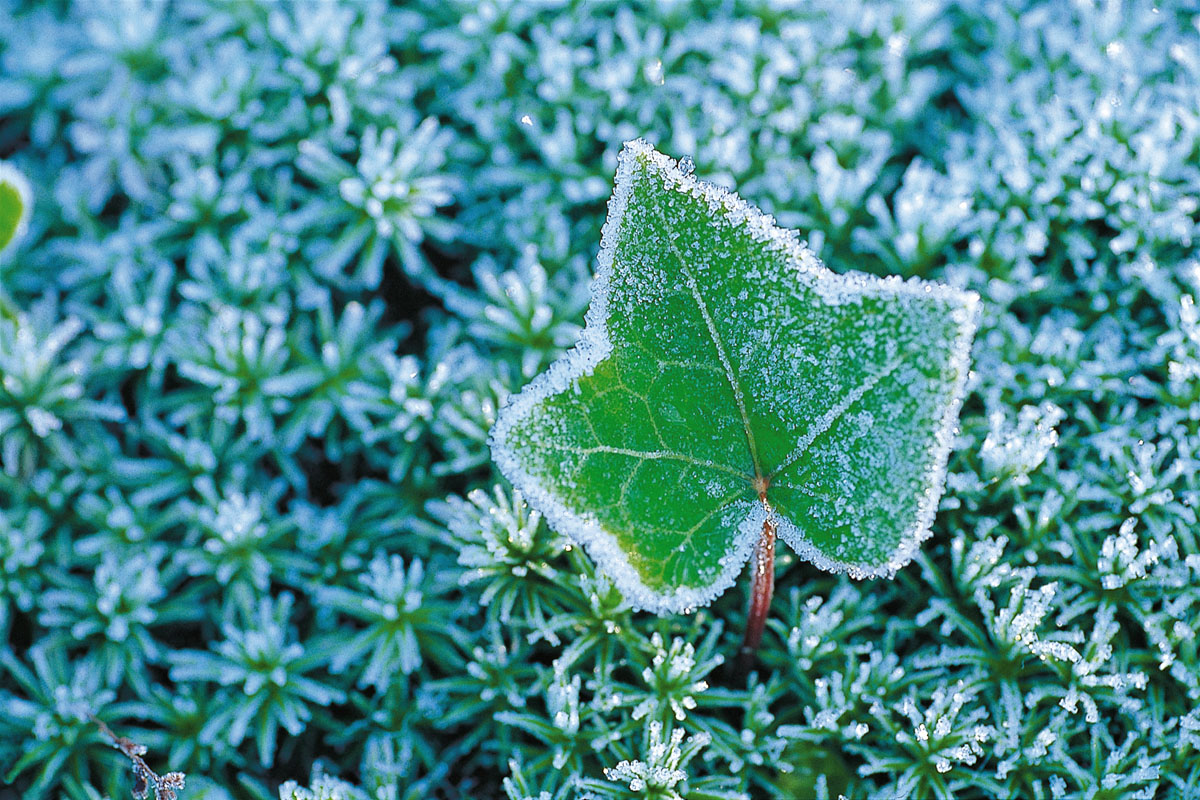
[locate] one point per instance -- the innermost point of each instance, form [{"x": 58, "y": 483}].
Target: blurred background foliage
[{"x": 285, "y": 260}]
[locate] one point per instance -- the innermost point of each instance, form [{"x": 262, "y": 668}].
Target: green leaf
[
  {"x": 726, "y": 378},
  {"x": 14, "y": 205}
]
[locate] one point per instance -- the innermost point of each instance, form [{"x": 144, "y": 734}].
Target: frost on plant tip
[{"x": 725, "y": 381}]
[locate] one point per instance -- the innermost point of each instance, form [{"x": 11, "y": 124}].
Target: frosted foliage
[
  {"x": 673, "y": 680},
  {"x": 943, "y": 731},
  {"x": 1189, "y": 729},
  {"x": 1015, "y": 450},
  {"x": 281, "y": 264},
  {"x": 726, "y": 379},
  {"x": 926, "y": 206},
  {"x": 928, "y": 210},
  {"x": 661, "y": 771},
  {"x": 1122, "y": 560},
  {"x": 323, "y": 787},
  {"x": 1184, "y": 341},
  {"x": 1019, "y": 624},
  {"x": 385, "y": 184}
]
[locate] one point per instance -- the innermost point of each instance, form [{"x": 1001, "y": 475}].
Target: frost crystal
[{"x": 1120, "y": 559}]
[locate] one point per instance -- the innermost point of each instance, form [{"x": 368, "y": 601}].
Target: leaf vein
[
  {"x": 830, "y": 417},
  {"x": 690, "y": 533},
  {"x": 653, "y": 455},
  {"x": 694, "y": 288}
]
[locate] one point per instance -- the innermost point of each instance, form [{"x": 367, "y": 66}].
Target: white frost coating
[
  {"x": 594, "y": 346},
  {"x": 9, "y": 175},
  {"x": 966, "y": 316}
]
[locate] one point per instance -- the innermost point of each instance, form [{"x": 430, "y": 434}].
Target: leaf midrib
[
  {"x": 816, "y": 430},
  {"x": 833, "y": 414},
  {"x": 715, "y": 337}
]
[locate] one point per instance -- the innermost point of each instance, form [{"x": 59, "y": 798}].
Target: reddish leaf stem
[{"x": 761, "y": 588}]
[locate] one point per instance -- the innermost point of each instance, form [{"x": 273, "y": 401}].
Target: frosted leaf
[{"x": 726, "y": 380}]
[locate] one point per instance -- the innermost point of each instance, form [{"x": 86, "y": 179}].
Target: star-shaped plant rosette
[{"x": 728, "y": 389}]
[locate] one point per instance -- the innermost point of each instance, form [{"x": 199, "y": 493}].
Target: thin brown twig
[{"x": 166, "y": 787}]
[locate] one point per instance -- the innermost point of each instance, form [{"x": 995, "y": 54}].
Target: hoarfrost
[
  {"x": 1017, "y": 450},
  {"x": 635, "y": 288}
]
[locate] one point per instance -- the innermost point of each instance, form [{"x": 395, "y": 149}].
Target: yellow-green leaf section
[{"x": 14, "y": 204}]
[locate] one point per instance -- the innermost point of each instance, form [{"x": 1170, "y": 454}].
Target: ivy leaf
[
  {"x": 14, "y": 205},
  {"x": 726, "y": 381}
]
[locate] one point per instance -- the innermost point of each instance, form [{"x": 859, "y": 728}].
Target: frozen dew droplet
[
  {"x": 654, "y": 72},
  {"x": 686, "y": 165}
]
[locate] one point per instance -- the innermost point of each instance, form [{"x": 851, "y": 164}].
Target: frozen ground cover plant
[
  {"x": 727, "y": 389},
  {"x": 284, "y": 262}
]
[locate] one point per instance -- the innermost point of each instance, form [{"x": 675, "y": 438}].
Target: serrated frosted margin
[
  {"x": 594, "y": 346},
  {"x": 10, "y": 175}
]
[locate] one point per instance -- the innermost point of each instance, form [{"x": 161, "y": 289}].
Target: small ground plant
[{"x": 278, "y": 267}]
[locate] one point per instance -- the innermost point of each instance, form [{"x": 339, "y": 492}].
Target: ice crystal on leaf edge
[{"x": 594, "y": 346}]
